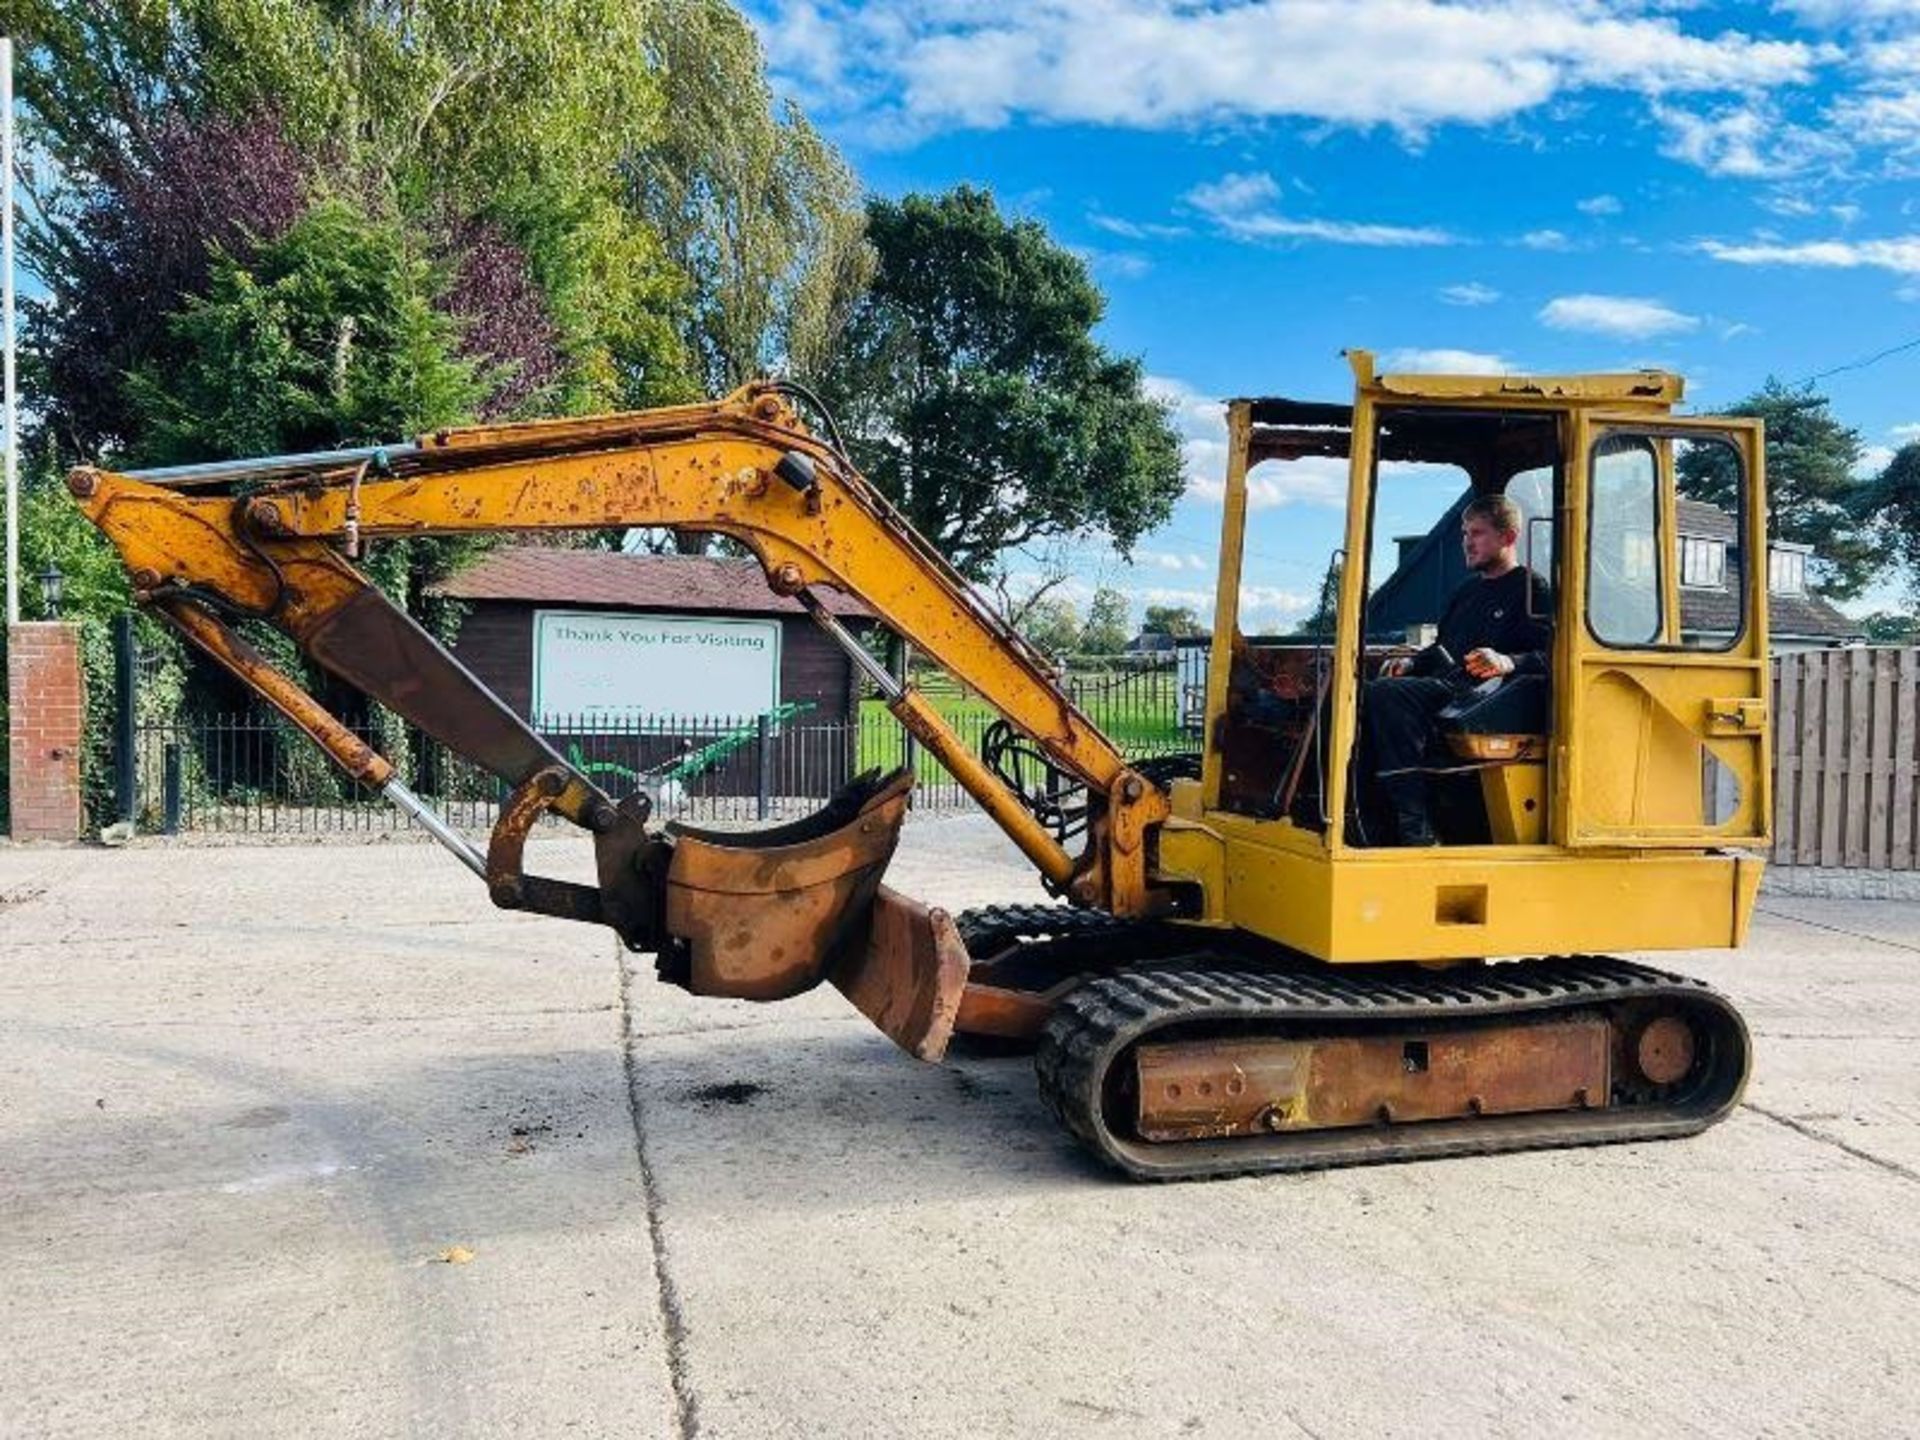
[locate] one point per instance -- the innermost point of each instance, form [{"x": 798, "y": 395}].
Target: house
[
  {"x": 1429, "y": 569},
  {"x": 1710, "y": 580}
]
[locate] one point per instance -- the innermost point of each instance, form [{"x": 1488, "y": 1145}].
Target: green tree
[
  {"x": 442, "y": 113},
  {"x": 1178, "y": 621},
  {"x": 1813, "y": 496},
  {"x": 1886, "y": 627},
  {"x": 752, "y": 204},
  {"x": 976, "y": 397},
  {"x": 1892, "y": 505},
  {"x": 1107, "y": 629},
  {"x": 328, "y": 337},
  {"x": 1320, "y": 622},
  {"x": 1052, "y": 625}
]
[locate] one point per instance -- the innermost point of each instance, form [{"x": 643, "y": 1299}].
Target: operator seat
[{"x": 1499, "y": 729}]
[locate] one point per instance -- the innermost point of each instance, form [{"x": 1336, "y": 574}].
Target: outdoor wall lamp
[{"x": 52, "y": 586}]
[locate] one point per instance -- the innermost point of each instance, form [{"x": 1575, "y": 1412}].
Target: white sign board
[{"x": 589, "y": 662}]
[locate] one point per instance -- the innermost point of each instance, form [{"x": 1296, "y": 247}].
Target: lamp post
[{"x": 53, "y": 585}]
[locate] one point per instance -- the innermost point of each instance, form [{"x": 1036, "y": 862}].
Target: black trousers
[{"x": 1400, "y": 715}]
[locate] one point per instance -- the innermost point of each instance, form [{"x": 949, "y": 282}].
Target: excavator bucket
[{"x": 768, "y": 914}]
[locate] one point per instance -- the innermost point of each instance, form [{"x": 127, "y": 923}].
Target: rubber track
[
  {"x": 1097, "y": 1025},
  {"x": 986, "y": 930}
]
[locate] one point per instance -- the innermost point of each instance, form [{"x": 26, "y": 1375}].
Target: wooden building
[{"x": 669, "y": 627}]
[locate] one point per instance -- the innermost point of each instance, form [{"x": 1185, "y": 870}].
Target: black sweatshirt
[{"x": 1493, "y": 614}]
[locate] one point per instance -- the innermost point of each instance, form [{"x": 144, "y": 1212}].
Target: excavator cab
[{"x": 1639, "y": 752}]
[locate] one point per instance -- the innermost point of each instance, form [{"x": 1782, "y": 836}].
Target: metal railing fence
[{"x": 255, "y": 774}]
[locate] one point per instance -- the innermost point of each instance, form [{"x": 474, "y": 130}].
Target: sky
[{"x": 1723, "y": 190}]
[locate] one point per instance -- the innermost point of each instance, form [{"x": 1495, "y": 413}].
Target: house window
[
  {"x": 1703, "y": 563},
  {"x": 1787, "y": 571}
]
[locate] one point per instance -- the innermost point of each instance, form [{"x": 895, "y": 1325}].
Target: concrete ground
[{"x": 311, "y": 1141}]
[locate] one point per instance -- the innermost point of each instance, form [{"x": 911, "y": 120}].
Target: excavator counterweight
[{"x": 1241, "y": 976}]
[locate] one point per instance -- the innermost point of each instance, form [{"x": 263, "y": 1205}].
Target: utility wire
[{"x": 1862, "y": 364}]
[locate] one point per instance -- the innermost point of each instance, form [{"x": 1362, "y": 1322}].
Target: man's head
[{"x": 1489, "y": 531}]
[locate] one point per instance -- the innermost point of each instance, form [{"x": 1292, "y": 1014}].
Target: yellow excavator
[{"x": 1239, "y": 977}]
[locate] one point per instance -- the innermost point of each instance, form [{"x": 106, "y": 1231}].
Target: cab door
[{"x": 1661, "y": 669}]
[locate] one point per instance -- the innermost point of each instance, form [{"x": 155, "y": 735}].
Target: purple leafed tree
[
  {"x": 504, "y": 321},
  {"x": 140, "y": 243}
]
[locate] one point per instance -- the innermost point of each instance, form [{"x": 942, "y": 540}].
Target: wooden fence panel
[
  {"x": 1906, "y": 760},
  {"x": 1857, "y": 666},
  {"x": 1879, "y": 809},
  {"x": 1833, "y": 740},
  {"x": 1787, "y": 672},
  {"x": 1847, "y": 758}
]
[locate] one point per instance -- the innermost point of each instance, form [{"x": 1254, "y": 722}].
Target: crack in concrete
[
  {"x": 1838, "y": 930},
  {"x": 686, "y": 1403},
  {"x": 1892, "y": 1167}
]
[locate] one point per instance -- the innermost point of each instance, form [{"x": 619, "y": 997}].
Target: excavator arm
[{"x": 760, "y": 916}]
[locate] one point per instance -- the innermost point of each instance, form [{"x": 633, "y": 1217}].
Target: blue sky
[{"x": 1725, "y": 190}]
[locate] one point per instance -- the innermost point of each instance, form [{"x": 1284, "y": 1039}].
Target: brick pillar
[{"x": 46, "y": 713}]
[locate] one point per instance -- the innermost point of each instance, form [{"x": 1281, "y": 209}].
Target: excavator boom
[{"x": 268, "y": 541}]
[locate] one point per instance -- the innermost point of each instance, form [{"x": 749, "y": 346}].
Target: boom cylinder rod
[
  {"x": 269, "y": 464},
  {"x": 430, "y": 821},
  {"x": 923, "y": 722},
  {"x": 884, "y": 680}
]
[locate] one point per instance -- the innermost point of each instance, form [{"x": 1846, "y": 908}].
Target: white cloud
[
  {"x": 1746, "y": 141},
  {"x": 1623, "y": 316},
  {"x": 1262, "y": 607},
  {"x": 1408, "y": 64},
  {"x": 804, "y": 43},
  {"x": 1599, "y": 205},
  {"x": 1850, "y": 12},
  {"x": 1135, "y": 229},
  {"x": 1900, "y": 254},
  {"x": 1245, "y": 208},
  {"x": 1886, "y": 117},
  {"x": 1310, "y": 480},
  {"x": 1445, "y": 362},
  {"x": 1271, "y": 607},
  {"x": 1905, "y": 434},
  {"x": 1201, "y": 423},
  {"x": 1121, "y": 264},
  {"x": 1873, "y": 459},
  {"x": 1166, "y": 560},
  {"x": 1471, "y": 293},
  {"x": 1545, "y": 240}
]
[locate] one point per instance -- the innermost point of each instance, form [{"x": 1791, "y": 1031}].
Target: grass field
[{"x": 1139, "y": 719}]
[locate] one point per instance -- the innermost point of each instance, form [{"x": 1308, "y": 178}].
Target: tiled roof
[
  {"x": 1707, "y": 521},
  {"x": 1788, "y": 616},
  {"x": 678, "y": 583}
]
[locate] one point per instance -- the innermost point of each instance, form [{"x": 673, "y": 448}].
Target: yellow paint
[
  {"x": 1614, "y": 852},
  {"x": 1516, "y": 800}
]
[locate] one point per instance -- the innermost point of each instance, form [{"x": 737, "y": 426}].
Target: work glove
[{"x": 1485, "y": 664}]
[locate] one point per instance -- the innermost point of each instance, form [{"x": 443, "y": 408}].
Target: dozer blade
[{"x": 768, "y": 914}]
